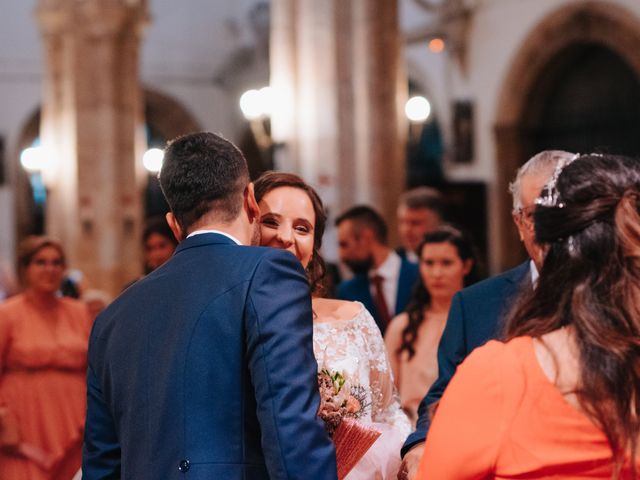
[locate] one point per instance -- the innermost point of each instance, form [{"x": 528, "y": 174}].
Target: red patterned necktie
[{"x": 380, "y": 302}]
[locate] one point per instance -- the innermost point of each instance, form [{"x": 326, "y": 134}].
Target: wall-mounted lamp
[
  {"x": 257, "y": 107},
  {"x": 152, "y": 160},
  {"x": 33, "y": 159},
  {"x": 417, "y": 109}
]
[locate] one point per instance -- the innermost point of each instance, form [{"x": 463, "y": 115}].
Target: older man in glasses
[{"x": 476, "y": 312}]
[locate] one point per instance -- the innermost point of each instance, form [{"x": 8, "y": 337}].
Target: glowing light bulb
[
  {"x": 417, "y": 109},
  {"x": 152, "y": 159}
]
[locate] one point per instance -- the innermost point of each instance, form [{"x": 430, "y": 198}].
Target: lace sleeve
[{"x": 385, "y": 402}]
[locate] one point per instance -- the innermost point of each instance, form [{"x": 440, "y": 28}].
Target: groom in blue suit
[
  {"x": 204, "y": 369},
  {"x": 477, "y": 312}
]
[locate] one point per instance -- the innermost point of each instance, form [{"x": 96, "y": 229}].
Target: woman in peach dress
[{"x": 43, "y": 361}]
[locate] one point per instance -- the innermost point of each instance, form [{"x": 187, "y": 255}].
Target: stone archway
[
  {"x": 168, "y": 117},
  {"x": 599, "y": 23}
]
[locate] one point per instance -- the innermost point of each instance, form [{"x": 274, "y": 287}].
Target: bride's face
[{"x": 287, "y": 221}]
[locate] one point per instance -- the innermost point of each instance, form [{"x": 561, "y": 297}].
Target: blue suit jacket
[
  {"x": 475, "y": 317},
  {"x": 204, "y": 369},
  {"x": 358, "y": 289}
]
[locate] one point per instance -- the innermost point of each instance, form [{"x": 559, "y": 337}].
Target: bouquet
[{"x": 341, "y": 404}]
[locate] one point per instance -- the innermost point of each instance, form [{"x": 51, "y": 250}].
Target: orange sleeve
[{"x": 466, "y": 432}]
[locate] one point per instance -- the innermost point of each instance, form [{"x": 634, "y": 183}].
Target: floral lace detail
[{"x": 355, "y": 348}]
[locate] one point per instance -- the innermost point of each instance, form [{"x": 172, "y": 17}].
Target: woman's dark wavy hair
[
  {"x": 420, "y": 298},
  {"x": 591, "y": 280},
  {"x": 316, "y": 268}
]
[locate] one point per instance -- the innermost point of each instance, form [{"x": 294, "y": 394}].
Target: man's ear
[
  {"x": 467, "y": 265},
  {"x": 175, "y": 226},
  {"x": 251, "y": 204},
  {"x": 516, "y": 220}
]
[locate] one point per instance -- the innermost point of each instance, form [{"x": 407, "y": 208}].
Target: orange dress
[
  {"x": 43, "y": 361},
  {"x": 501, "y": 418}
]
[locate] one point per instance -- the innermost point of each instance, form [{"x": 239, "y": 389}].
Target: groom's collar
[
  {"x": 206, "y": 238},
  {"x": 218, "y": 232}
]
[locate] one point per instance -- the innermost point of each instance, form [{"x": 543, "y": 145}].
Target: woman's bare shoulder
[{"x": 331, "y": 310}]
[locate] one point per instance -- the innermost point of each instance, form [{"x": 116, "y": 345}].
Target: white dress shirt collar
[
  {"x": 389, "y": 270},
  {"x": 534, "y": 273},
  {"x": 200, "y": 232}
]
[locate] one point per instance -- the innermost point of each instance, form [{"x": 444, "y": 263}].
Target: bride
[{"x": 346, "y": 339}]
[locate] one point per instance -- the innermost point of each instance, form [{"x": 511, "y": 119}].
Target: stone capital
[
  {"x": 93, "y": 18},
  {"x": 54, "y": 17},
  {"x": 109, "y": 18}
]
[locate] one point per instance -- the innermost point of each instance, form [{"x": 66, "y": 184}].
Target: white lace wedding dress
[{"x": 355, "y": 348}]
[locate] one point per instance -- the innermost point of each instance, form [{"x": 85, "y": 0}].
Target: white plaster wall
[{"x": 186, "y": 45}]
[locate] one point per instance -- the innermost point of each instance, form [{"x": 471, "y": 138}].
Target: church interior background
[{"x": 89, "y": 87}]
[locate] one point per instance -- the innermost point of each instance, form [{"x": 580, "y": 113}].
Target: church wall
[{"x": 497, "y": 31}]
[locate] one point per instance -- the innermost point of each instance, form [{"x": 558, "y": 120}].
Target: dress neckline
[{"x": 343, "y": 321}]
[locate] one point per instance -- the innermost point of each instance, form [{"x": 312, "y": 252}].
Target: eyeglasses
[{"x": 41, "y": 262}]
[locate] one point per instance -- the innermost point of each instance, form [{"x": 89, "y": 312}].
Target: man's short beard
[
  {"x": 360, "y": 266},
  {"x": 255, "y": 235}
]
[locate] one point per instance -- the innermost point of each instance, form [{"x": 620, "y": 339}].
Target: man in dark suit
[
  {"x": 382, "y": 280},
  {"x": 204, "y": 369},
  {"x": 420, "y": 211},
  {"x": 477, "y": 311}
]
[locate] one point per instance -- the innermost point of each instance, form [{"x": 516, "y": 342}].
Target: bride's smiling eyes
[{"x": 300, "y": 225}]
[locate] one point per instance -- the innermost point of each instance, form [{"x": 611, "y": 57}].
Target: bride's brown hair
[
  {"x": 271, "y": 180},
  {"x": 591, "y": 280}
]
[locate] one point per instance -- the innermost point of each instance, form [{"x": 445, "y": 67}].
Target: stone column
[
  {"x": 337, "y": 69},
  {"x": 92, "y": 129}
]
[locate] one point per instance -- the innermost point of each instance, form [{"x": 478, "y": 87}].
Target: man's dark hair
[
  {"x": 424, "y": 197},
  {"x": 364, "y": 216},
  {"x": 202, "y": 173}
]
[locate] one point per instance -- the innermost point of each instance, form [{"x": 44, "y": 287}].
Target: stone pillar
[
  {"x": 91, "y": 127},
  {"x": 337, "y": 69}
]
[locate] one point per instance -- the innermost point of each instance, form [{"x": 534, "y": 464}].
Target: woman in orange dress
[
  {"x": 43, "y": 360},
  {"x": 447, "y": 264},
  {"x": 561, "y": 398}
]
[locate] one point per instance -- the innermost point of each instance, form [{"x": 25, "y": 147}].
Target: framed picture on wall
[{"x": 463, "y": 131}]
